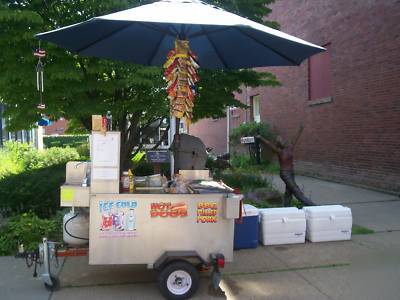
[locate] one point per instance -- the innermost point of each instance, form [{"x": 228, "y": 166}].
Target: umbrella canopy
[{"x": 145, "y": 34}]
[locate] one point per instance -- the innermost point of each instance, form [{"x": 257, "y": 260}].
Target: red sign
[{"x": 168, "y": 209}]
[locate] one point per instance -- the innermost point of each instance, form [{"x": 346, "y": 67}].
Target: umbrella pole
[
  {"x": 174, "y": 139},
  {"x": 172, "y": 129}
]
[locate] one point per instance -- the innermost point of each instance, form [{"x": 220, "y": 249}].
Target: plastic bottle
[
  {"x": 125, "y": 182},
  {"x": 131, "y": 181},
  {"x": 109, "y": 120}
]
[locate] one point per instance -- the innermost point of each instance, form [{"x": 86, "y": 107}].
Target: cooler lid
[
  {"x": 327, "y": 210},
  {"x": 280, "y": 212},
  {"x": 249, "y": 210}
]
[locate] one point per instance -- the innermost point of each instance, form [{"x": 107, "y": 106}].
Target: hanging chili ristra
[{"x": 181, "y": 75}]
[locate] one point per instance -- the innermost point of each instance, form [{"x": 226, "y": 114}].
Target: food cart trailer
[
  {"x": 175, "y": 234},
  {"x": 168, "y": 232}
]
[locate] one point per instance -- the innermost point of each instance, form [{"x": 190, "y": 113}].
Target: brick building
[
  {"x": 348, "y": 98},
  {"x": 56, "y": 128}
]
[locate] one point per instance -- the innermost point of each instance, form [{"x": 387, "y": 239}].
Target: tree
[{"x": 77, "y": 87}]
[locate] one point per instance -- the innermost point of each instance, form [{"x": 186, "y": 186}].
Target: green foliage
[
  {"x": 296, "y": 203},
  {"x": 75, "y": 127},
  {"x": 40, "y": 159},
  {"x": 83, "y": 151},
  {"x": 28, "y": 229},
  {"x": 36, "y": 190},
  {"x": 11, "y": 159},
  {"x": 245, "y": 182},
  {"x": 272, "y": 168},
  {"x": 241, "y": 161},
  {"x": 263, "y": 204},
  {"x": 143, "y": 168},
  {"x": 250, "y": 129},
  {"x": 65, "y": 140},
  {"x": 77, "y": 87},
  {"x": 33, "y": 179},
  {"x": 356, "y": 229},
  {"x": 256, "y": 10},
  {"x": 16, "y": 157}
]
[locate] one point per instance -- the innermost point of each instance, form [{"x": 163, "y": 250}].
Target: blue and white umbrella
[{"x": 145, "y": 34}]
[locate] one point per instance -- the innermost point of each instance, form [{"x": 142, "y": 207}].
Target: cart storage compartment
[
  {"x": 328, "y": 223},
  {"x": 286, "y": 225},
  {"x": 246, "y": 233}
]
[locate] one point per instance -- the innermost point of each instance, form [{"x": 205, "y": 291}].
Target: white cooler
[
  {"x": 328, "y": 223},
  {"x": 286, "y": 225}
]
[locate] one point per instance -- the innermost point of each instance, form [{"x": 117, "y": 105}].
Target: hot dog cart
[{"x": 176, "y": 234}]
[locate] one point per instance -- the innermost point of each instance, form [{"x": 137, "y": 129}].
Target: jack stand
[{"x": 47, "y": 251}]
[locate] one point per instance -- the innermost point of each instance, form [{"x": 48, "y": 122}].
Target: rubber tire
[
  {"x": 55, "y": 286},
  {"x": 175, "y": 266}
]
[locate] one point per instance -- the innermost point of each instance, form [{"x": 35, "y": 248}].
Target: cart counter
[{"x": 139, "y": 228}]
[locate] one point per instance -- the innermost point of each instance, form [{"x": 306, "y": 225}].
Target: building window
[
  {"x": 255, "y": 108},
  {"x": 320, "y": 76}
]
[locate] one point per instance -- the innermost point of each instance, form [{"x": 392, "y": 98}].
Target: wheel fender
[{"x": 171, "y": 256}]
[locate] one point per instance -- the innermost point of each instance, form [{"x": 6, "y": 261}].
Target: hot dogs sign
[
  {"x": 168, "y": 209},
  {"x": 206, "y": 211}
]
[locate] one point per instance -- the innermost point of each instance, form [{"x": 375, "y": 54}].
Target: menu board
[
  {"x": 105, "y": 174},
  {"x": 105, "y": 149}
]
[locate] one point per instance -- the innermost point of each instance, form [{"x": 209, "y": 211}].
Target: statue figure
[{"x": 284, "y": 151}]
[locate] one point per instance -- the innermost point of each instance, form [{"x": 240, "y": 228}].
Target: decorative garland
[{"x": 181, "y": 75}]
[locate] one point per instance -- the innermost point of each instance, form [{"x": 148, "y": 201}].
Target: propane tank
[{"x": 76, "y": 228}]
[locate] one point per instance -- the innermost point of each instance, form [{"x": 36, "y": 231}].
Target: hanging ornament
[
  {"x": 181, "y": 75},
  {"x": 40, "y": 53},
  {"x": 44, "y": 121}
]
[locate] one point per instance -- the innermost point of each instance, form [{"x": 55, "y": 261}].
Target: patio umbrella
[
  {"x": 218, "y": 40},
  {"x": 145, "y": 34}
]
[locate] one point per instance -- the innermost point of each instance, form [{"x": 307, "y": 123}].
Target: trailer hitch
[{"x": 43, "y": 255}]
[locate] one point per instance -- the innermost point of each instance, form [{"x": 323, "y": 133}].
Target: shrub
[
  {"x": 28, "y": 229},
  {"x": 83, "y": 151},
  {"x": 11, "y": 158},
  {"x": 31, "y": 179},
  {"x": 241, "y": 161},
  {"x": 65, "y": 140},
  {"x": 53, "y": 156},
  {"x": 243, "y": 181},
  {"x": 36, "y": 190},
  {"x": 250, "y": 129}
]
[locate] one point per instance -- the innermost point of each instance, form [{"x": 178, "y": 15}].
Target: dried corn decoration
[{"x": 181, "y": 75}]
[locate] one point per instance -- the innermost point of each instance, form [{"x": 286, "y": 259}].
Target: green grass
[{"x": 361, "y": 230}]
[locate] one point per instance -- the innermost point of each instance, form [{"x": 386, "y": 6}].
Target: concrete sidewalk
[
  {"x": 375, "y": 210},
  {"x": 368, "y": 267}
]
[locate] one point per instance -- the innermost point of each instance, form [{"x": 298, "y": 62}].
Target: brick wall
[
  {"x": 356, "y": 137},
  {"x": 212, "y": 133},
  {"x": 57, "y": 128}
]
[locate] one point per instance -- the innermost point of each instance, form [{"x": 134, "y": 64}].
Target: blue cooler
[{"x": 246, "y": 234}]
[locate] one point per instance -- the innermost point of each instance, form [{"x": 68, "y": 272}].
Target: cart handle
[{"x": 240, "y": 219}]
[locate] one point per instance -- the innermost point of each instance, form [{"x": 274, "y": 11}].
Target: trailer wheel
[
  {"x": 178, "y": 280},
  {"x": 55, "y": 286}
]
